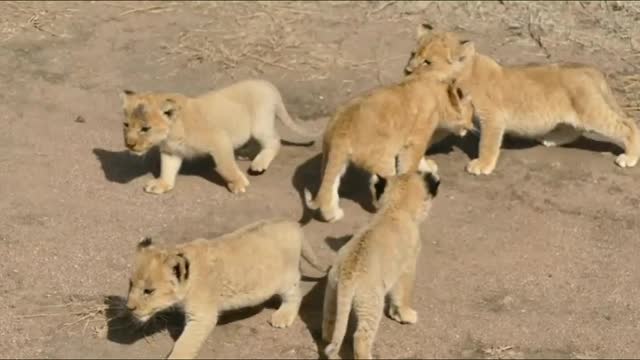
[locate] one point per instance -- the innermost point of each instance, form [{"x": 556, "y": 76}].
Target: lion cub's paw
[
  {"x": 624, "y": 160},
  {"x": 332, "y": 215},
  {"x": 475, "y": 167},
  {"x": 238, "y": 186},
  {"x": 157, "y": 186},
  {"x": 404, "y": 315},
  {"x": 283, "y": 318}
]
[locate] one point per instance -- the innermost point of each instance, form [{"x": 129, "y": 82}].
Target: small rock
[{"x": 80, "y": 119}]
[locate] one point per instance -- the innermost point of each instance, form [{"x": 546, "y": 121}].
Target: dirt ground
[{"x": 540, "y": 259}]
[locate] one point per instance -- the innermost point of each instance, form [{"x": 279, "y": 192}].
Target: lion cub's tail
[
  {"x": 286, "y": 119},
  {"x": 344, "y": 301}
]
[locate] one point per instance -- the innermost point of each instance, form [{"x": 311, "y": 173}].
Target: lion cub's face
[
  {"x": 157, "y": 281},
  {"x": 442, "y": 53},
  {"x": 147, "y": 120}
]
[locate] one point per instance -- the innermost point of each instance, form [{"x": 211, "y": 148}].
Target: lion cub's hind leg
[
  {"x": 269, "y": 140},
  {"x": 561, "y": 135},
  {"x": 368, "y": 308},
  {"x": 618, "y": 128},
  {"x": 288, "y": 310},
  {"x": 400, "y": 295},
  {"x": 224, "y": 157}
]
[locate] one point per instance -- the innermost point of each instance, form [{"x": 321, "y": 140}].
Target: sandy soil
[{"x": 539, "y": 259}]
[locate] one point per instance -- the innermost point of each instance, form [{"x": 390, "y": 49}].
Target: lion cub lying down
[
  {"x": 387, "y": 131},
  {"x": 554, "y": 103},
  {"x": 205, "y": 277},
  {"x": 215, "y": 123},
  {"x": 380, "y": 259}
]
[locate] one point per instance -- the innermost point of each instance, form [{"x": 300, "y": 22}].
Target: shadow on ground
[{"x": 354, "y": 186}]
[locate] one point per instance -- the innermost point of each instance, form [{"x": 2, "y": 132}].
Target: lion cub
[
  {"x": 215, "y": 123},
  {"x": 387, "y": 131},
  {"x": 205, "y": 277},
  {"x": 380, "y": 259},
  {"x": 554, "y": 103}
]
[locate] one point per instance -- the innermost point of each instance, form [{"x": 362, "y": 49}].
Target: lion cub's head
[
  {"x": 412, "y": 192},
  {"x": 148, "y": 119},
  {"x": 443, "y": 53},
  {"x": 158, "y": 280}
]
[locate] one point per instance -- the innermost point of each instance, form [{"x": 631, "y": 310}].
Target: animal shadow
[
  {"x": 124, "y": 329},
  {"x": 122, "y": 166},
  {"x": 335, "y": 243},
  {"x": 354, "y": 186}
]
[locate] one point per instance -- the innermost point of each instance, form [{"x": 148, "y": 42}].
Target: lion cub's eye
[
  {"x": 427, "y": 62},
  {"x": 145, "y": 129},
  {"x": 149, "y": 291}
]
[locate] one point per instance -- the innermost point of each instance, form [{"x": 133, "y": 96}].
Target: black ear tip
[
  {"x": 146, "y": 242},
  {"x": 462, "y": 42},
  {"x": 460, "y": 93},
  {"x": 128, "y": 92},
  {"x": 427, "y": 26},
  {"x": 432, "y": 182}
]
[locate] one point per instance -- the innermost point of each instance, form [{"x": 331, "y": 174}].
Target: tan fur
[
  {"x": 554, "y": 103},
  {"x": 205, "y": 277},
  {"x": 390, "y": 124},
  {"x": 214, "y": 123},
  {"x": 380, "y": 259}
]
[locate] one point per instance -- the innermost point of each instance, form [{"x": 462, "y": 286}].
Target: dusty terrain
[{"x": 539, "y": 259}]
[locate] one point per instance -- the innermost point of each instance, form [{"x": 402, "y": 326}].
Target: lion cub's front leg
[
  {"x": 199, "y": 325},
  {"x": 169, "y": 167},
  {"x": 491, "y": 135}
]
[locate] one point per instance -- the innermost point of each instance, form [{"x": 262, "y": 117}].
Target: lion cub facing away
[
  {"x": 380, "y": 259},
  {"x": 215, "y": 123},
  {"x": 387, "y": 131},
  {"x": 554, "y": 103},
  {"x": 205, "y": 277}
]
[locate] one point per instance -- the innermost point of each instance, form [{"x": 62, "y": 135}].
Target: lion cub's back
[
  {"x": 274, "y": 240},
  {"x": 251, "y": 93}
]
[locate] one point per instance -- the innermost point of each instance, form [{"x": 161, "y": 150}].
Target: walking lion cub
[
  {"x": 387, "y": 132},
  {"x": 205, "y": 277},
  {"x": 215, "y": 123},
  {"x": 380, "y": 259},
  {"x": 554, "y": 103}
]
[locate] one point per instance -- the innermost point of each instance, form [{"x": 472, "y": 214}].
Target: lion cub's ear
[
  {"x": 124, "y": 96},
  {"x": 466, "y": 50},
  {"x": 423, "y": 29},
  {"x": 145, "y": 243},
  {"x": 169, "y": 108},
  {"x": 179, "y": 265}
]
